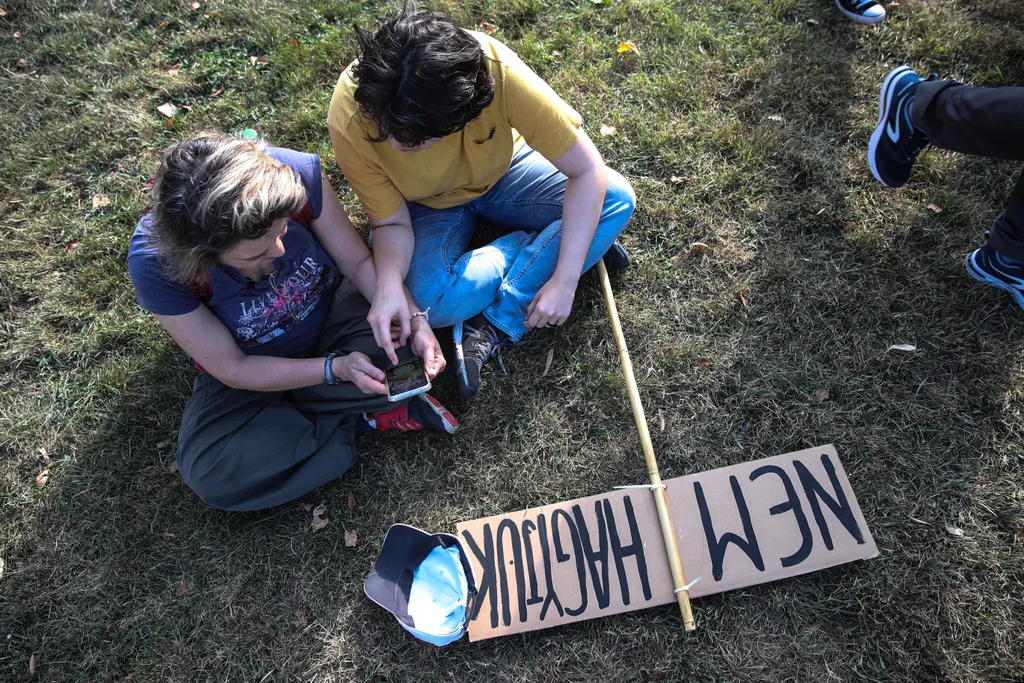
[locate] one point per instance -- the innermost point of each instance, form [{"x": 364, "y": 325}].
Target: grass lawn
[{"x": 114, "y": 571}]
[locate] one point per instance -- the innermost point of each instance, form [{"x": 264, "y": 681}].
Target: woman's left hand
[{"x": 424, "y": 344}]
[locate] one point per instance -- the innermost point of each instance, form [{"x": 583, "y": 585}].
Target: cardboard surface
[{"x": 737, "y": 526}]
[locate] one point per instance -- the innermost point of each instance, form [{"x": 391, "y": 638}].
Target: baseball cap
[{"x": 426, "y": 581}]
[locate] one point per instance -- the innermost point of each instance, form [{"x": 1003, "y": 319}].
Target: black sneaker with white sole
[
  {"x": 863, "y": 11},
  {"x": 989, "y": 266},
  {"x": 616, "y": 258},
  {"x": 896, "y": 141},
  {"x": 476, "y": 342}
]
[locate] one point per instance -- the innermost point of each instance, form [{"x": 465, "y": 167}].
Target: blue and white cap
[{"x": 426, "y": 581}]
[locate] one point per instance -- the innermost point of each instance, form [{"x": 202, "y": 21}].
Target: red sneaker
[{"x": 422, "y": 412}]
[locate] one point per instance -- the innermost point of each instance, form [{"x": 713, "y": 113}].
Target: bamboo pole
[{"x": 668, "y": 530}]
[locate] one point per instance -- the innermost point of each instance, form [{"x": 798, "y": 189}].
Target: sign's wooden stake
[{"x": 668, "y": 530}]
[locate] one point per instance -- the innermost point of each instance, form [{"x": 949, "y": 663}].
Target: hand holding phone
[{"x": 406, "y": 379}]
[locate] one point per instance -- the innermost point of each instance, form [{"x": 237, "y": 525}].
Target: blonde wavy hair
[{"x": 211, "y": 192}]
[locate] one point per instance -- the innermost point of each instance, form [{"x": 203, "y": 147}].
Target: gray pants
[{"x": 249, "y": 450}]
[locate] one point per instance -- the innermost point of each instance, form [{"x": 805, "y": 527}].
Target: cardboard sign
[{"x": 592, "y": 557}]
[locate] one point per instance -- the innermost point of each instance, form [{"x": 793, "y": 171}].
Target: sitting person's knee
[
  {"x": 427, "y": 286},
  {"x": 620, "y": 193}
]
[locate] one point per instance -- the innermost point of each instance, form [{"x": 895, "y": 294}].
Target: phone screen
[{"x": 406, "y": 377}]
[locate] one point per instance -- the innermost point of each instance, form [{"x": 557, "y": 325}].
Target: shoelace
[
  {"x": 497, "y": 346},
  {"x": 911, "y": 146},
  {"x": 385, "y": 421},
  {"x": 406, "y": 425}
]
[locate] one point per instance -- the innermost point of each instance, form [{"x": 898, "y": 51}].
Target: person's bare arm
[
  {"x": 581, "y": 210},
  {"x": 207, "y": 341},
  {"x": 393, "y": 243},
  {"x": 335, "y": 232}
]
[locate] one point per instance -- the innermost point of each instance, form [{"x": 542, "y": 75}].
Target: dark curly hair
[{"x": 420, "y": 77}]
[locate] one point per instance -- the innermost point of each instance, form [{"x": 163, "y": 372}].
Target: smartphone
[{"x": 406, "y": 379}]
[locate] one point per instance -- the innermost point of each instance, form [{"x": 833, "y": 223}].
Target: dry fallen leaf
[
  {"x": 609, "y": 131},
  {"x": 955, "y": 530},
  {"x": 167, "y": 109},
  {"x": 163, "y": 444},
  {"x": 700, "y": 48},
  {"x": 661, "y": 421},
  {"x": 319, "y": 521},
  {"x": 253, "y": 59},
  {"x": 45, "y": 455},
  {"x": 3, "y": 13},
  {"x": 351, "y": 501},
  {"x": 3, "y": 567},
  {"x": 902, "y": 347},
  {"x": 99, "y": 200},
  {"x": 547, "y": 362},
  {"x": 172, "y": 466},
  {"x": 20, "y": 63},
  {"x": 168, "y": 124},
  {"x": 293, "y": 41},
  {"x": 742, "y": 299},
  {"x": 32, "y": 665},
  {"x": 264, "y": 60},
  {"x": 487, "y": 28},
  {"x": 43, "y": 477},
  {"x": 17, "y": 34},
  {"x": 697, "y": 247},
  {"x": 305, "y": 507},
  {"x": 556, "y": 54},
  {"x": 775, "y": 117},
  {"x": 680, "y": 179},
  {"x": 174, "y": 70},
  {"x": 216, "y": 92},
  {"x": 813, "y": 22},
  {"x": 196, "y": 5},
  {"x": 935, "y": 208},
  {"x": 821, "y": 394},
  {"x": 627, "y": 46},
  {"x": 351, "y": 538},
  {"x": 182, "y": 588},
  {"x": 892, "y": 6},
  {"x": 300, "y": 618}
]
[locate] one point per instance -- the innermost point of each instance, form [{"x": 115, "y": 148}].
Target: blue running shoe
[
  {"x": 864, "y": 11},
  {"x": 989, "y": 266},
  {"x": 896, "y": 143}
]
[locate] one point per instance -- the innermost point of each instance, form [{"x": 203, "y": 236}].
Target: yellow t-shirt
[{"x": 463, "y": 165}]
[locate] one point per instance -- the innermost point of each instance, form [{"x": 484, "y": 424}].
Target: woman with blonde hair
[{"x": 249, "y": 262}]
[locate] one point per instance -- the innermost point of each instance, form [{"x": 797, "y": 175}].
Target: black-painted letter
[
  {"x": 562, "y": 556},
  {"x": 600, "y": 579},
  {"x": 792, "y": 504},
  {"x": 550, "y": 598},
  {"x": 517, "y": 550},
  {"x": 718, "y": 546},
  {"x": 839, "y": 506},
  {"x": 634, "y": 549},
  {"x": 528, "y": 528},
  {"x": 486, "y": 584}
]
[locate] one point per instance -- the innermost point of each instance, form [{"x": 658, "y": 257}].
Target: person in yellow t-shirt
[{"x": 435, "y": 128}]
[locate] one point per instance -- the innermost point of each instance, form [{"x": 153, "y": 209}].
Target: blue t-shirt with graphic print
[{"x": 280, "y": 316}]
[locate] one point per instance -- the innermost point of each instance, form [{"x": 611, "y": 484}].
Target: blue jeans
[{"x": 501, "y": 279}]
